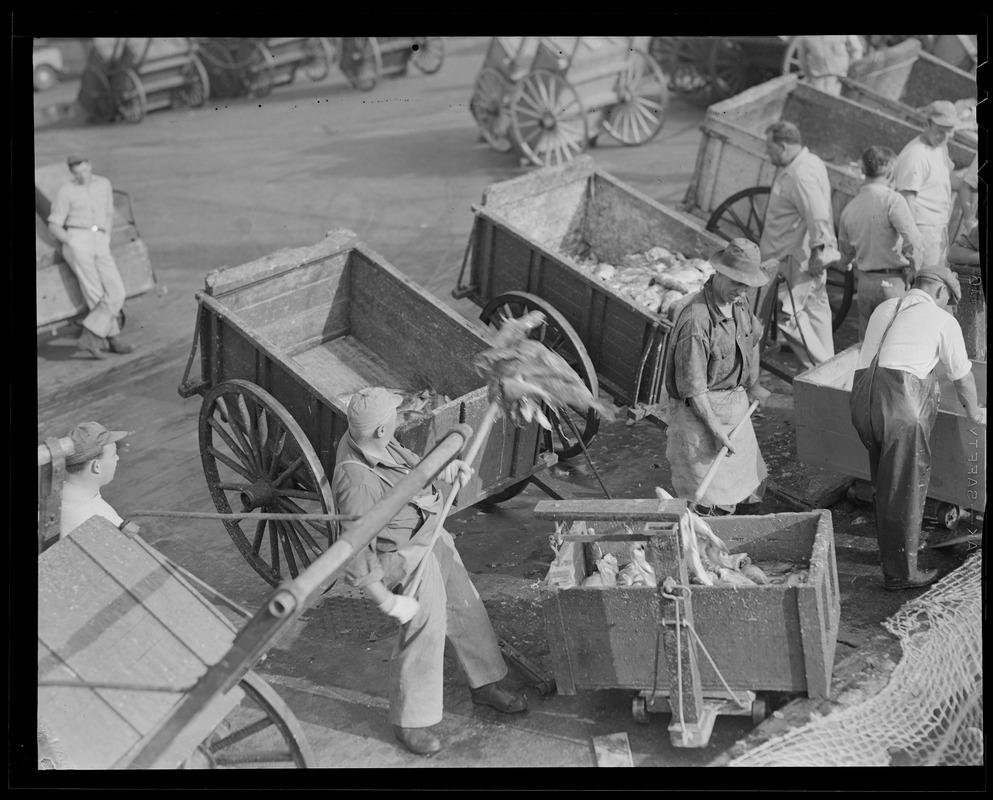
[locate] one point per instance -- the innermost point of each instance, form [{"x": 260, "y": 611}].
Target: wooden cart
[
  {"x": 125, "y": 78},
  {"x": 733, "y": 174},
  {"x": 526, "y": 238},
  {"x": 507, "y": 61},
  {"x": 365, "y": 60},
  {"x": 751, "y": 639},
  {"x": 254, "y": 66},
  {"x": 58, "y": 298},
  {"x": 284, "y": 343},
  {"x": 825, "y": 436}
]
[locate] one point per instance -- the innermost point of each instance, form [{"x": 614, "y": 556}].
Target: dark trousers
[{"x": 903, "y": 410}]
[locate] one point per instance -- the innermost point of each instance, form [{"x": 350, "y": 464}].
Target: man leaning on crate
[
  {"x": 446, "y": 605},
  {"x": 894, "y": 405}
]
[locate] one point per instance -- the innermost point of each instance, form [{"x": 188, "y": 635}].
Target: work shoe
[
  {"x": 90, "y": 343},
  {"x": 924, "y": 577},
  {"x": 500, "y": 698},
  {"x": 418, "y": 740},
  {"x": 117, "y": 345},
  {"x": 711, "y": 511}
]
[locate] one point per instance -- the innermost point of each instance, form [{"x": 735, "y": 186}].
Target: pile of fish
[{"x": 654, "y": 279}]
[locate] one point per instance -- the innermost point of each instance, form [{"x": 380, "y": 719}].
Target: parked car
[{"x": 47, "y": 67}]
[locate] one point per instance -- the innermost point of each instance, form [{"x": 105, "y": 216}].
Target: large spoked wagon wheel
[
  {"x": 548, "y": 120},
  {"x": 96, "y": 96},
  {"x": 684, "y": 62},
  {"x": 791, "y": 58},
  {"x": 643, "y": 98},
  {"x": 560, "y": 337},
  {"x": 490, "y": 107},
  {"x": 221, "y": 69},
  {"x": 729, "y": 69},
  {"x": 429, "y": 54},
  {"x": 255, "y": 61},
  {"x": 361, "y": 62},
  {"x": 318, "y": 58},
  {"x": 129, "y": 94},
  {"x": 256, "y": 458},
  {"x": 262, "y": 732},
  {"x": 196, "y": 84}
]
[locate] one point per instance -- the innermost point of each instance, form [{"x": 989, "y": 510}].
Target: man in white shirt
[
  {"x": 902, "y": 408},
  {"x": 91, "y": 466}
]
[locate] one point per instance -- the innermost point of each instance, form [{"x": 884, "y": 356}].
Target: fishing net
[{"x": 931, "y": 710}]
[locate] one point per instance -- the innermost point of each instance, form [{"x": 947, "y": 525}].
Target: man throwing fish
[{"x": 711, "y": 376}]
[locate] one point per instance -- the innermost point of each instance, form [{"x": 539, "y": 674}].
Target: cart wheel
[
  {"x": 254, "y": 452},
  {"x": 196, "y": 84},
  {"x": 361, "y": 62},
  {"x": 639, "y": 709},
  {"x": 256, "y": 72},
  {"x": 559, "y": 336},
  {"x": 318, "y": 57},
  {"x": 729, "y": 69},
  {"x": 742, "y": 214},
  {"x": 683, "y": 61},
  {"x": 335, "y": 44},
  {"x": 841, "y": 290},
  {"x": 760, "y": 710},
  {"x": 262, "y": 732},
  {"x": 96, "y": 96},
  {"x": 548, "y": 120},
  {"x": 490, "y": 107},
  {"x": 130, "y": 96},
  {"x": 639, "y": 115},
  {"x": 791, "y": 58},
  {"x": 948, "y": 516},
  {"x": 429, "y": 55},
  {"x": 221, "y": 69}
]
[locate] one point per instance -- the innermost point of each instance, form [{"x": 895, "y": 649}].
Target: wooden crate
[
  {"x": 530, "y": 231},
  {"x": 312, "y": 325},
  {"x": 825, "y": 436},
  {"x": 762, "y": 638},
  {"x": 112, "y": 612}
]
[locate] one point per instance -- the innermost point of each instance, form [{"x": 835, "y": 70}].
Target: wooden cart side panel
[
  {"x": 576, "y": 173},
  {"x": 887, "y": 71},
  {"x": 933, "y": 79},
  {"x": 754, "y": 109},
  {"x": 555, "y": 218},
  {"x": 816, "y": 603}
]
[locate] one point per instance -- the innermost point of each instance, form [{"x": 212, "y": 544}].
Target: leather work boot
[
  {"x": 922, "y": 577},
  {"x": 418, "y": 740},
  {"x": 117, "y": 345},
  {"x": 500, "y": 698},
  {"x": 90, "y": 343}
]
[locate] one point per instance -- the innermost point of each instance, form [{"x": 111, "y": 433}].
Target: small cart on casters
[{"x": 253, "y": 67}]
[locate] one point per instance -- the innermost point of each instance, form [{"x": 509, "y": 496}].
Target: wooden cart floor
[{"x": 342, "y": 366}]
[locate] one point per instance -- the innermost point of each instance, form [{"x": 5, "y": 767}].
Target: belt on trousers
[
  {"x": 884, "y": 271},
  {"x": 93, "y": 228}
]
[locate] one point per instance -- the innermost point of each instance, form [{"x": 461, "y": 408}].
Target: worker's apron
[{"x": 893, "y": 412}]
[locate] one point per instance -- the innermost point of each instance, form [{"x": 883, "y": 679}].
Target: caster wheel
[
  {"x": 949, "y": 516},
  {"x": 639, "y": 710}
]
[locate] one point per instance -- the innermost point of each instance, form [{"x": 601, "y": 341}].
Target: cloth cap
[
  {"x": 73, "y": 160},
  {"x": 369, "y": 408},
  {"x": 942, "y": 112},
  {"x": 740, "y": 261},
  {"x": 950, "y": 279},
  {"x": 89, "y": 439}
]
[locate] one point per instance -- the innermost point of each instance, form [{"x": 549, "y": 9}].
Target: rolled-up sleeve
[
  {"x": 59, "y": 212},
  {"x": 691, "y": 355},
  {"x": 355, "y": 498},
  {"x": 903, "y": 222},
  {"x": 952, "y": 352},
  {"x": 908, "y": 174}
]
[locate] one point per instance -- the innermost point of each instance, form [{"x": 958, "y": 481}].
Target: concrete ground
[{"x": 400, "y": 165}]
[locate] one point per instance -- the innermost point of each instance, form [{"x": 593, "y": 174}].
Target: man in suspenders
[{"x": 369, "y": 462}]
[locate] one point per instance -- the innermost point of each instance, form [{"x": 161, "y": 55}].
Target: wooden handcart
[
  {"x": 125, "y": 78},
  {"x": 528, "y": 234},
  {"x": 284, "y": 342},
  {"x": 365, "y": 60},
  {"x": 578, "y": 87},
  {"x": 254, "y": 66},
  {"x": 693, "y": 651},
  {"x": 58, "y": 296},
  {"x": 507, "y": 61}
]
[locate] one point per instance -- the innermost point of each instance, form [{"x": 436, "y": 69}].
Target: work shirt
[
  {"x": 76, "y": 509},
  {"x": 922, "y": 335},
  {"x": 360, "y": 481},
  {"x": 926, "y": 170},
  {"x": 799, "y": 207},
  {"x": 824, "y": 55},
  {"x": 708, "y": 351},
  {"x": 876, "y": 227},
  {"x": 83, "y": 206}
]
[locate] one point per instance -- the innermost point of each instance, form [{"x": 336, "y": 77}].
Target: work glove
[
  {"x": 400, "y": 607},
  {"x": 979, "y": 417}
]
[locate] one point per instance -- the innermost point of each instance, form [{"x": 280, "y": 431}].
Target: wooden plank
[
  {"x": 613, "y": 750},
  {"x": 343, "y": 366},
  {"x": 607, "y": 510}
]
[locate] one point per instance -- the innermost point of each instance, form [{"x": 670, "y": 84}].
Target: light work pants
[{"x": 89, "y": 257}]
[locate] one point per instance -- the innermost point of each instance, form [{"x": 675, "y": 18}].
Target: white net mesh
[{"x": 931, "y": 710}]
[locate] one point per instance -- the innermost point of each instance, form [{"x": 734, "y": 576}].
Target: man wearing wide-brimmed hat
[
  {"x": 91, "y": 466},
  {"x": 711, "y": 376},
  {"x": 923, "y": 173},
  {"x": 906, "y": 338}
]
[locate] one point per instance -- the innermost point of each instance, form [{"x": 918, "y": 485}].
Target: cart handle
[{"x": 188, "y": 388}]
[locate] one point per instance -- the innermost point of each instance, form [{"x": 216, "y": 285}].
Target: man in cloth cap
[
  {"x": 81, "y": 219},
  {"x": 923, "y": 173},
  {"x": 799, "y": 235},
  {"x": 369, "y": 463},
  {"x": 711, "y": 376},
  {"x": 91, "y": 466},
  {"x": 910, "y": 335}
]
